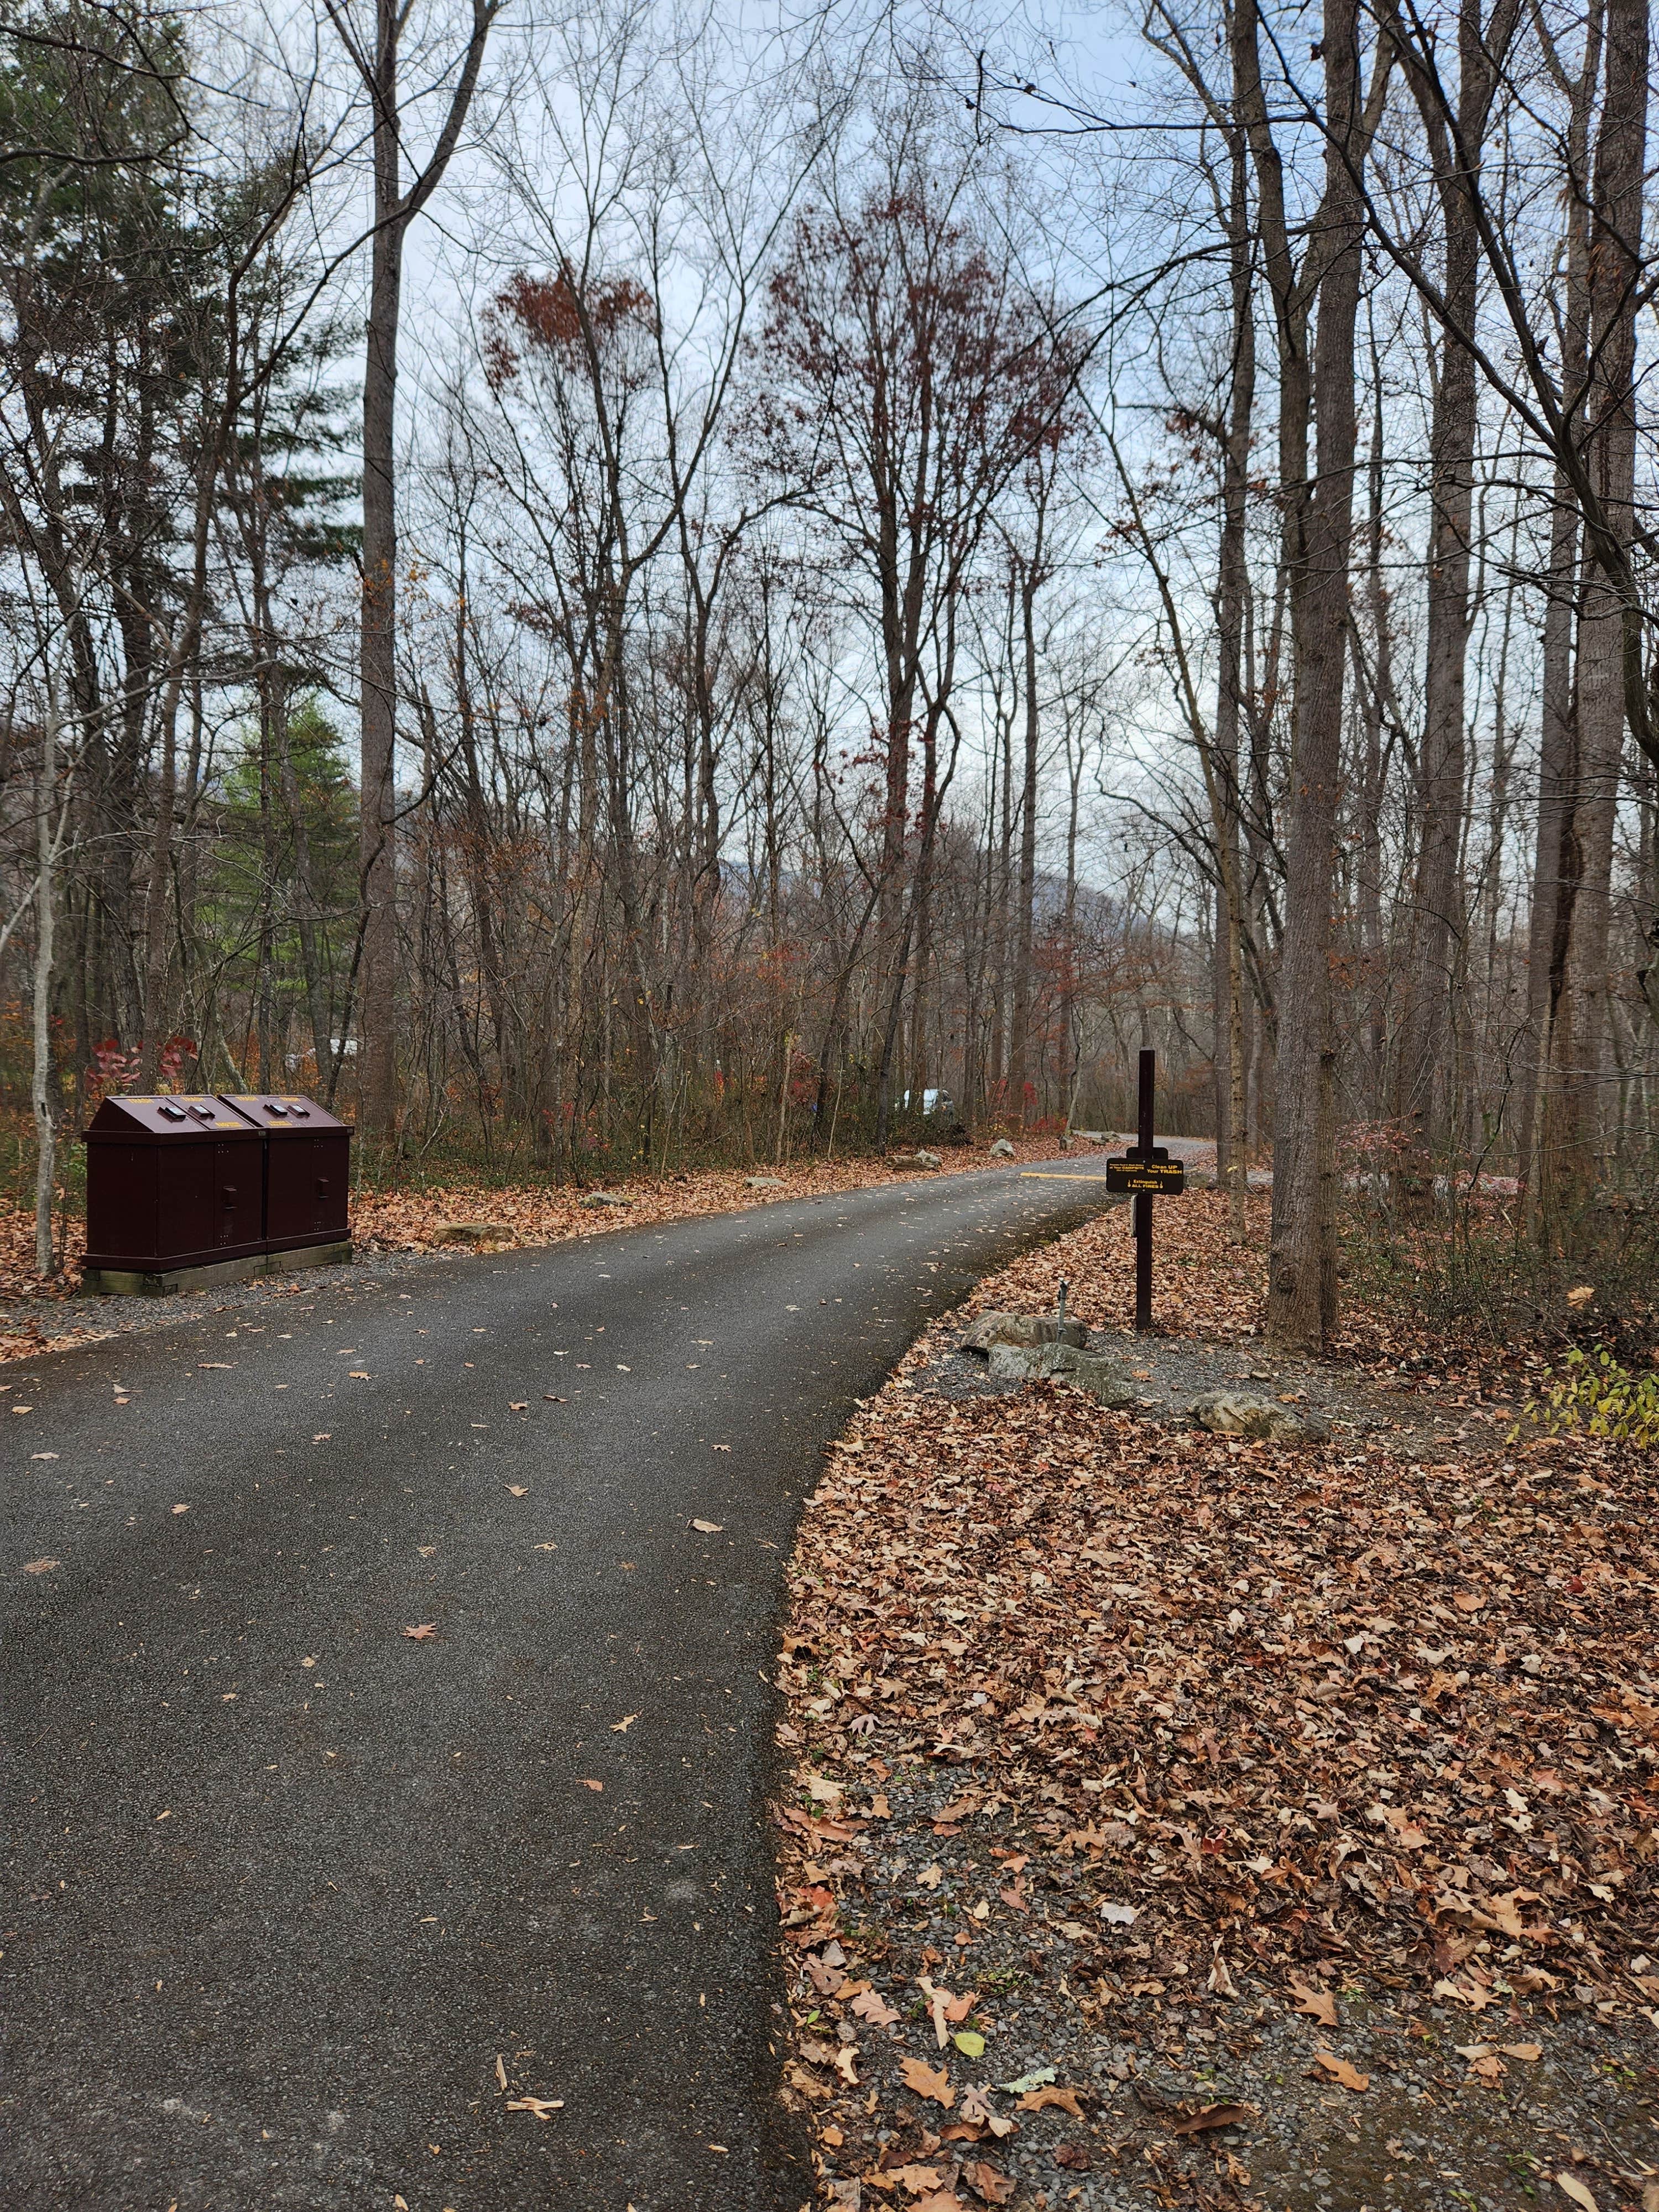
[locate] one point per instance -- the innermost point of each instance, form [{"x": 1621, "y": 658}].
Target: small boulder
[
  {"x": 994, "y": 1328},
  {"x": 989, "y": 1329},
  {"x": 1002, "y": 1150},
  {"x": 1102, "y": 1378},
  {"x": 763, "y": 1182},
  {"x": 918, "y": 1159},
  {"x": 598, "y": 1198},
  {"x": 1231, "y": 1413},
  {"x": 475, "y": 1233}
]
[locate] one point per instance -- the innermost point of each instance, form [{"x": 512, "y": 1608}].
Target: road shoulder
[{"x": 1179, "y": 1819}]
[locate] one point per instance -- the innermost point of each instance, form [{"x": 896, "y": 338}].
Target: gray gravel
[{"x": 1424, "y": 2136}]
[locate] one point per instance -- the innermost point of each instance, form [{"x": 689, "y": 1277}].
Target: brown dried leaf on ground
[
  {"x": 1317, "y": 2004},
  {"x": 1223, "y": 1687},
  {"x": 1340, "y": 2070},
  {"x": 928, "y": 2081}
]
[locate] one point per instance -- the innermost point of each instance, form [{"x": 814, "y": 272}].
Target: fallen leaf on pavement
[
  {"x": 540, "y": 2105},
  {"x": 918, "y": 2179},
  {"x": 1528, "y": 2052},
  {"x": 358, "y": 1375},
  {"x": 622, "y": 1727},
  {"x": 1318, "y": 2004},
  {"x": 709, "y": 1528},
  {"x": 986, "y": 2182},
  {"x": 1073, "y": 2157},
  {"x": 977, "y": 2111},
  {"x": 422, "y": 1633},
  {"x": 517, "y": 1490},
  {"x": 970, "y": 2042},
  {"x": 1340, "y": 2070},
  {"x": 42, "y": 1455},
  {"x": 553, "y": 1398},
  {"x": 587, "y": 1785},
  {"x": 1039, "y": 2100},
  {"x": 928, "y": 2082},
  {"x": 870, "y": 2005},
  {"x": 181, "y": 1509},
  {"x": 1213, "y": 2116},
  {"x": 518, "y": 1405},
  {"x": 1570, "y": 2186},
  {"x": 501, "y": 2069},
  {"x": 41, "y": 1566}
]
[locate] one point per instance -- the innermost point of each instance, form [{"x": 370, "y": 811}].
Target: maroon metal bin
[
  {"x": 172, "y": 1183},
  {"x": 307, "y": 1169}
]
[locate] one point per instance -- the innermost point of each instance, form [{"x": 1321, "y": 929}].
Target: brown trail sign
[{"x": 1145, "y": 1172}]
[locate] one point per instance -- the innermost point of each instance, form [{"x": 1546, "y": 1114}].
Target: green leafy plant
[{"x": 1598, "y": 1396}]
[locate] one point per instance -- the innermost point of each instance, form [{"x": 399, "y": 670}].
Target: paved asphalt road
[{"x": 282, "y": 1882}]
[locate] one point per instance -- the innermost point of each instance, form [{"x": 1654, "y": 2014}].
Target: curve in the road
[{"x": 291, "y": 1890}]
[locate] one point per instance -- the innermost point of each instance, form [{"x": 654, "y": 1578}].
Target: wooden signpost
[{"x": 1145, "y": 1172}]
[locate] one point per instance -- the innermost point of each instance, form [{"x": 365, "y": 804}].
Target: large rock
[
  {"x": 763, "y": 1183},
  {"x": 1231, "y": 1413},
  {"x": 1014, "y": 1363},
  {"x": 1104, "y": 1380},
  {"x": 1002, "y": 1150},
  {"x": 994, "y": 1328},
  {"x": 598, "y": 1198},
  {"x": 475, "y": 1233},
  {"x": 917, "y": 1159}
]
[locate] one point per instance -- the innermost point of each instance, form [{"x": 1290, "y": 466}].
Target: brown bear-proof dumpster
[
  {"x": 174, "y": 1185},
  {"x": 184, "y": 1192},
  {"x": 307, "y": 1169}
]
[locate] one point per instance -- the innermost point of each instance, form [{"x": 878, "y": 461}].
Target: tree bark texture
[{"x": 1302, "y": 1267}]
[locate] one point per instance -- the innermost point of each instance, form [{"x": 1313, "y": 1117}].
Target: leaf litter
[{"x": 1339, "y": 1824}]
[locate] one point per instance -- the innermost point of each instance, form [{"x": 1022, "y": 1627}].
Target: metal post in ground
[{"x": 1143, "y": 1223}]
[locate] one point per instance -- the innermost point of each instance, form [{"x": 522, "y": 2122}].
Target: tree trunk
[
  {"x": 377, "y": 1071},
  {"x": 1302, "y": 1276},
  {"x": 394, "y": 210},
  {"x": 1019, "y": 1046},
  {"x": 1232, "y": 595},
  {"x": 1425, "y": 1100},
  {"x": 46, "y": 1122},
  {"x": 1554, "y": 872},
  {"x": 1582, "y": 1032}
]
